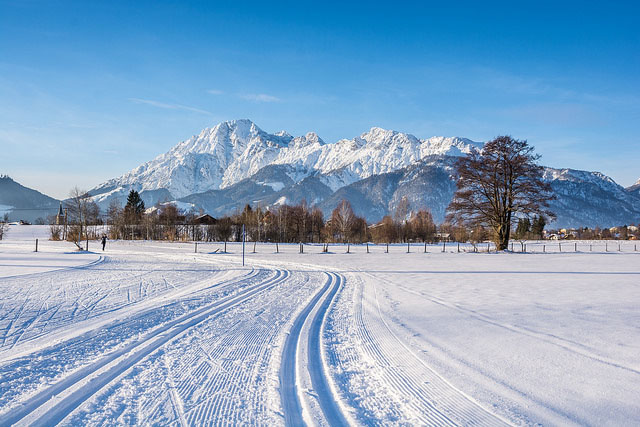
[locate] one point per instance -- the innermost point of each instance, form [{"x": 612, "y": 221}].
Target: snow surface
[
  {"x": 18, "y": 256},
  {"x": 155, "y": 333}
]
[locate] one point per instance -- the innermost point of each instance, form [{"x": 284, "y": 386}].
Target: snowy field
[{"x": 154, "y": 333}]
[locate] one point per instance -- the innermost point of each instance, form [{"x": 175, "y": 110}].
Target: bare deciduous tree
[
  {"x": 342, "y": 219},
  {"x": 422, "y": 226},
  {"x": 82, "y": 211},
  {"x": 498, "y": 183}
]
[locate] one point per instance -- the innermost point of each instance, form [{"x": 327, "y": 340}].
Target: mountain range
[{"x": 235, "y": 162}]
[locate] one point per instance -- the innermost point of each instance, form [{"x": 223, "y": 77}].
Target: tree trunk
[{"x": 502, "y": 237}]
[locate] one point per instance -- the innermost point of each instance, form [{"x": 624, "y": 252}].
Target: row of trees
[
  {"x": 284, "y": 223},
  {"x": 528, "y": 229}
]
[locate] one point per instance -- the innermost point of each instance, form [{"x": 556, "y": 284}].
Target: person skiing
[{"x": 104, "y": 241}]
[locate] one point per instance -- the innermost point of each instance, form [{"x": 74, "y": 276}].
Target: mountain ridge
[
  {"x": 225, "y": 154},
  {"x": 235, "y": 162},
  {"x": 21, "y": 202}
]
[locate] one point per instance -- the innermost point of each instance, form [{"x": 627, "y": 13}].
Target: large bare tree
[{"x": 496, "y": 185}]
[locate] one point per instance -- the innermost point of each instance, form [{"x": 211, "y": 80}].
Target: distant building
[
  {"x": 443, "y": 236},
  {"x": 60, "y": 217},
  {"x": 205, "y": 219}
]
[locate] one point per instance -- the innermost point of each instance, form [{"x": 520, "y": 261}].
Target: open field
[{"x": 152, "y": 332}]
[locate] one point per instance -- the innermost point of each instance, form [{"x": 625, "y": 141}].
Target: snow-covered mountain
[
  {"x": 590, "y": 199},
  {"x": 235, "y": 163},
  {"x": 224, "y": 155},
  {"x": 635, "y": 188},
  {"x": 216, "y": 158}
]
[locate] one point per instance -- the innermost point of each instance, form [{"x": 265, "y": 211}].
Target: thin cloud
[
  {"x": 215, "y": 92},
  {"x": 169, "y": 106},
  {"x": 260, "y": 97}
]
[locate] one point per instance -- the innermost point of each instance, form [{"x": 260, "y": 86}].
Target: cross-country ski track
[
  {"x": 152, "y": 334},
  {"x": 293, "y": 363},
  {"x": 123, "y": 359}
]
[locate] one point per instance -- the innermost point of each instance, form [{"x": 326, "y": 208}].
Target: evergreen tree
[
  {"x": 523, "y": 228},
  {"x": 135, "y": 205},
  {"x": 538, "y": 226}
]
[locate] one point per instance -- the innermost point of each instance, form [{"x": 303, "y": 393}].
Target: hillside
[{"x": 22, "y": 203}]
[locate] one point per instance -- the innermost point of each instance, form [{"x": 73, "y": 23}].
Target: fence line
[{"x": 528, "y": 247}]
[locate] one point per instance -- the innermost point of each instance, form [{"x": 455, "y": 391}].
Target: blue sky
[{"x": 90, "y": 90}]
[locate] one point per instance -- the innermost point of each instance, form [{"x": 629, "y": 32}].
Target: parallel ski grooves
[
  {"x": 328, "y": 404},
  {"x": 153, "y": 341},
  {"x": 289, "y": 394}
]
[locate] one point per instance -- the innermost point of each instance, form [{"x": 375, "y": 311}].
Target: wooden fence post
[
  {"x": 408, "y": 247},
  {"x": 277, "y": 248},
  {"x": 36, "y": 245},
  {"x": 367, "y": 247},
  {"x": 387, "y": 247},
  {"x": 195, "y": 250}
]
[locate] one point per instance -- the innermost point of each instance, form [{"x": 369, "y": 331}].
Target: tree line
[{"x": 282, "y": 223}]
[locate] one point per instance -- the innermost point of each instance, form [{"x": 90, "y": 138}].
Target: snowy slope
[
  {"x": 231, "y": 151},
  {"x": 635, "y": 188},
  {"x": 428, "y": 184},
  {"x": 375, "y": 152},
  {"x": 216, "y": 158},
  {"x": 590, "y": 199}
]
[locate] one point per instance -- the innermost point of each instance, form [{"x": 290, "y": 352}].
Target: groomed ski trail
[
  {"x": 89, "y": 380},
  {"x": 383, "y": 379},
  {"x": 293, "y": 364}
]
